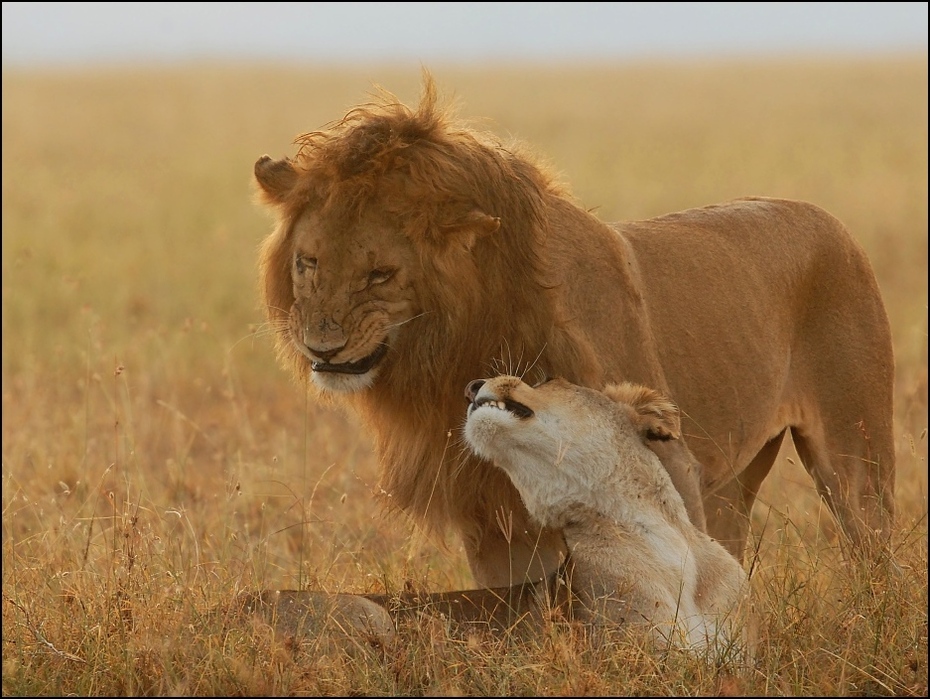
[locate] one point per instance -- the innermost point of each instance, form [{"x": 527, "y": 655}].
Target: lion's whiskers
[
  {"x": 265, "y": 329},
  {"x": 402, "y": 322}
]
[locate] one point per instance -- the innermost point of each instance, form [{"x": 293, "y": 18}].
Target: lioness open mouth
[
  {"x": 362, "y": 366},
  {"x": 510, "y": 406}
]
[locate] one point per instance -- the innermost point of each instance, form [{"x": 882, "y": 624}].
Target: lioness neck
[{"x": 635, "y": 498}]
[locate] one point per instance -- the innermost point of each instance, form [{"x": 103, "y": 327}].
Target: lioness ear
[
  {"x": 275, "y": 177},
  {"x": 470, "y": 228},
  {"x": 655, "y": 416}
]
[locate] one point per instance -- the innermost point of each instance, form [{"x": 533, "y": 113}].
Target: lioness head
[{"x": 564, "y": 445}]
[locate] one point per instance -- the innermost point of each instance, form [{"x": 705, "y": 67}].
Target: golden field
[{"x": 157, "y": 461}]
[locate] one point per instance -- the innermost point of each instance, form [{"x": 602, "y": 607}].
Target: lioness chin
[{"x": 582, "y": 462}]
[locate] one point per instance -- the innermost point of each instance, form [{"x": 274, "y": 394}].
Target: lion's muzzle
[{"x": 362, "y": 366}]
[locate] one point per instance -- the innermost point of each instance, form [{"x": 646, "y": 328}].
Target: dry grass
[{"x": 156, "y": 461}]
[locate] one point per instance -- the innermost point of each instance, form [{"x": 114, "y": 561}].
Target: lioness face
[
  {"x": 564, "y": 445},
  {"x": 352, "y": 293}
]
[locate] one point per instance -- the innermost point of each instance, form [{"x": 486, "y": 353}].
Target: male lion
[
  {"x": 582, "y": 462},
  {"x": 410, "y": 252}
]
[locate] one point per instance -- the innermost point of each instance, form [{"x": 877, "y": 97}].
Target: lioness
[
  {"x": 410, "y": 252},
  {"x": 582, "y": 463}
]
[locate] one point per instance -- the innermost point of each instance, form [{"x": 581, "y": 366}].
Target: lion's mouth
[
  {"x": 511, "y": 406},
  {"x": 362, "y": 366}
]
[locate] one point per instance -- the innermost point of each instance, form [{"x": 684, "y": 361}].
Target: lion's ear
[
  {"x": 469, "y": 229},
  {"x": 275, "y": 177},
  {"x": 655, "y": 416}
]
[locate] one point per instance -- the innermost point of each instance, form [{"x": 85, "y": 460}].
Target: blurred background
[{"x": 336, "y": 32}]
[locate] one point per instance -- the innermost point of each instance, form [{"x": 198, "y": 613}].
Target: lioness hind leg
[
  {"x": 729, "y": 507},
  {"x": 854, "y": 473},
  {"x": 344, "y": 621}
]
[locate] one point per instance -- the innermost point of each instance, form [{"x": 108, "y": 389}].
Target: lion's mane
[{"x": 434, "y": 171}]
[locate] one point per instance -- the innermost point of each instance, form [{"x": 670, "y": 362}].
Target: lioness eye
[
  {"x": 302, "y": 264},
  {"x": 379, "y": 276}
]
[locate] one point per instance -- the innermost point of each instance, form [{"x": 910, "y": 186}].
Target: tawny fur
[
  {"x": 582, "y": 463},
  {"x": 402, "y": 228}
]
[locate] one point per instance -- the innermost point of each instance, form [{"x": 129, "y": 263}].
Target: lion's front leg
[{"x": 513, "y": 551}]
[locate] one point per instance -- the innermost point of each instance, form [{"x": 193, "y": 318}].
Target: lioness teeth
[{"x": 508, "y": 406}]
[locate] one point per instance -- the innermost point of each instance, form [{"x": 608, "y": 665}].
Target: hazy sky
[{"x": 78, "y": 32}]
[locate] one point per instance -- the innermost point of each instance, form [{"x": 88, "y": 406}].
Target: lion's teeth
[{"x": 500, "y": 404}]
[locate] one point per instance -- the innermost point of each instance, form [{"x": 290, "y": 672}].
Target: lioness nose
[{"x": 471, "y": 390}]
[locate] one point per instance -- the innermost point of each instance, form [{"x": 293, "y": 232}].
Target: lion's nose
[{"x": 471, "y": 390}]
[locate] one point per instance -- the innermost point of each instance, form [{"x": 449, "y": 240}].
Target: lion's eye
[
  {"x": 379, "y": 276},
  {"x": 303, "y": 264}
]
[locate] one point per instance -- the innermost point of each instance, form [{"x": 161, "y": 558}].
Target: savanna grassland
[{"x": 157, "y": 461}]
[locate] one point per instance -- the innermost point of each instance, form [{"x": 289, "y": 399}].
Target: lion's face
[{"x": 353, "y": 291}]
